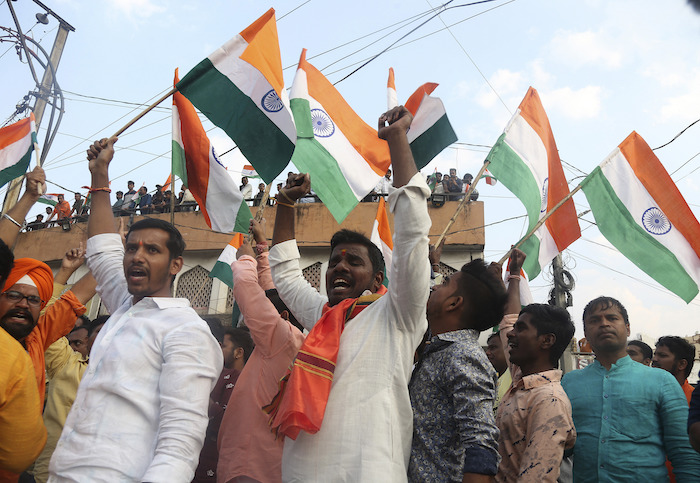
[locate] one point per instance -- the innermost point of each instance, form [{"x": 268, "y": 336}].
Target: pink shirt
[
  {"x": 246, "y": 445},
  {"x": 535, "y": 421}
]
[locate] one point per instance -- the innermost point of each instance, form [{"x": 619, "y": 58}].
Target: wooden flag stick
[
  {"x": 146, "y": 111},
  {"x": 464, "y": 202},
  {"x": 42, "y": 187},
  {"x": 541, "y": 222},
  {"x": 261, "y": 209}
]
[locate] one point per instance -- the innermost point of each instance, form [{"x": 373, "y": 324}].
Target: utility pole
[
  {"x": 560, "y": 296},
  {"x": 44, "y": 91}
]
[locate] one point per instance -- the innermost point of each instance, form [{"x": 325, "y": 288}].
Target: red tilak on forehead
[
  {"x": 140, "y": 243},
  {"x": 343, "y": 252}
]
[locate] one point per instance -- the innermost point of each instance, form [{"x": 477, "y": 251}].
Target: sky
[{"x": 602, "y": 69}]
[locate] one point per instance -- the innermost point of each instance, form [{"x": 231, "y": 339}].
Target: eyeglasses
[{"x": 16, "y": 297}]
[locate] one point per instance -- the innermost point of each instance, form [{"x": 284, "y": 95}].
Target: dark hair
[
  {"x": 175, "y": 243},
  {"x": 129, "y": 182},
  {"x": 7, "y": 259},
  {"x": 274, "y": 297},
  {"x": 85, "y": 321},
  {"x": 680, "y": 348},
  {"x": 80, "y": 327},
  {"x": 215, "y": 326},
  {"x": 605, "y": 303},
  {"x": 550, "y": 319},
  {"x": 495, "y": 334},
  {"x": 241, "y": 338},
  {"x": 120, "y": 192},
  {"x": 349, "y": 236},
  {"x": 646, "y": 350},
  {"x": 98, "y": 321},
  {"x": 484, "y": 294}
]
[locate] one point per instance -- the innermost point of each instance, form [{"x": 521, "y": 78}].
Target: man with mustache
[
  {"x": 365, "y": 410},
  {"x": 628, "y": 416},
  {"x": 141, "y": 409}
]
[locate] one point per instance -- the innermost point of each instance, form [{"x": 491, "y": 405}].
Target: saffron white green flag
[
  {"x": 222, "y": 267},
  {"x": 639, "y": 209},
  {"x": 249, "y": 171},
  {"x": 49, "y": 199},
  {"x": 240, "y": 88},
  {"x": 16, "y": 146},
  {"x": 381, "y": 237},
  {"x": 526, "y": 160},
  {"x": 430, "y": 131},
  {"x": 219, "y": 198},
  {"x": 343, "y": 154}
]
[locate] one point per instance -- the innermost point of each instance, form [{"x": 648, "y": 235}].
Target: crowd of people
[{"x": 369, "y": 382}]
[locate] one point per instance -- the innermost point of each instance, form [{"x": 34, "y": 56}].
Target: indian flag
[
  {"x": 16, "y": 146},
  {"x": 381, "y": 236},
  {"x": 222, "y": 267},
  {"x": 639, "y": 209},
  {"x": 431, "y": 131},
  {"x": 218, "y": 196},
  {"x": 240, "y": 88},
  {"x": 49, "y": 199},
  {"x": 249, "y": 171},
  {"x": 526, "y": 160},
  {"x": 392, "y": 99},
  {"x": 489, "y": 178},
  {"x": 343, "y": 154}
]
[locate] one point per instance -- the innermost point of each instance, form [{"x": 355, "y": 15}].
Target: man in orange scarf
[{"x": 345, "y": 410}]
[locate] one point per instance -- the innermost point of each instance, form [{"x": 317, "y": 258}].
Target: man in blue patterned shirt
[{"x": 453, "y": 387}]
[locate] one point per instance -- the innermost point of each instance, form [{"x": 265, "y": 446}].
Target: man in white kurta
[
  {"x": 140, "y": 414},
  {"x": 367, "y": 427}
]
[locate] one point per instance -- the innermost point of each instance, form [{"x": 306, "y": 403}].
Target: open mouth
[
  {"x": 19, "y": 317},
  {"x": 340, "y": 284},
  {"x": 137, "y": 274}
]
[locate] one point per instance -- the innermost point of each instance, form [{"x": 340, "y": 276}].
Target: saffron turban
[{"x": 39, "y": 272}]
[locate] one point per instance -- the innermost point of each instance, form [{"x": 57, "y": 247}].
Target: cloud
[
  {"x": 686, "y": 105},
  {"x": 583, "y": 103},
  {"x": 137, "y": 8},
  {"x": 581, "y": 48}
]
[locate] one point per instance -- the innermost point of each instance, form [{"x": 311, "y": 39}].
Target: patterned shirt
[
  {"x": 536, "y": 426},
  {"x": 452, "y": 390},
  {"x": 535, "y": 421}
]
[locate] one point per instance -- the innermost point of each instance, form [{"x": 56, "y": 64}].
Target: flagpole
[
  {"x": 148, "y": 109},
  {"x": 541, "y": 222},
  {"x": 461, "y": 205},
  {"x": 261, "y": 209},
  {"x": 42, "y": 187},
  {"x": 172, "y": 195}
]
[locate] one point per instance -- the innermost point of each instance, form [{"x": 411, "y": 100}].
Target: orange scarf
[{"x": 303, "y": 395}]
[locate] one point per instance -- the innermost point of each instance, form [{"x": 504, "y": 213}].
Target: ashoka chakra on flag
[
  {"x": 271, "y": 102},
  {"x": 655, "y": 222},
  {"x": 322, "y": 124}
]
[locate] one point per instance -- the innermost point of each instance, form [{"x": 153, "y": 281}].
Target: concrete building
[{"x": 314, "y": 228}]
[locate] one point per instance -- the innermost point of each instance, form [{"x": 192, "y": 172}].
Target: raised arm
[
  {"x": 392, "y": 127},
  {"x": 297, "y": 186},
  {"x": 72, "y": 260},
  {"x": 264, "y": 274},
  {"x": 512, "y": 308},
  {"x": 101, "y": 218},
  {"x": 8, "y": 228}
]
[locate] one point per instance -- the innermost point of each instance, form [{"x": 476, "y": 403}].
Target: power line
[
  {"x": 677, "y": 135},
  {"x": 681, "y": 166}
]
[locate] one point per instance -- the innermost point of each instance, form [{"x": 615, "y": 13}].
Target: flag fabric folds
[
  {"x": 16, "y": 146},
  {"x": 249, "y": 171},
  {"x": 222, "y": 267},
  {"x": 218, "y": 196},
  {"x": 488, "y": 178},
  {"x": 343, "y": 154},
  {"x": 381, "y": 237},
  {"x": 525, "y": 159},
  {"x": 392, "y": 99},
  {"x": 431, "y": 131},
  {"x": 240, "y": 88},
  {"x": 50, "y": 199},
  {"x": 639, "y": 209}
]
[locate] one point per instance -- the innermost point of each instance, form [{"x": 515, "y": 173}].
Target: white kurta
[
  {"x": 141, "y": 409},
  {"x": 368, "y": 424}
]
